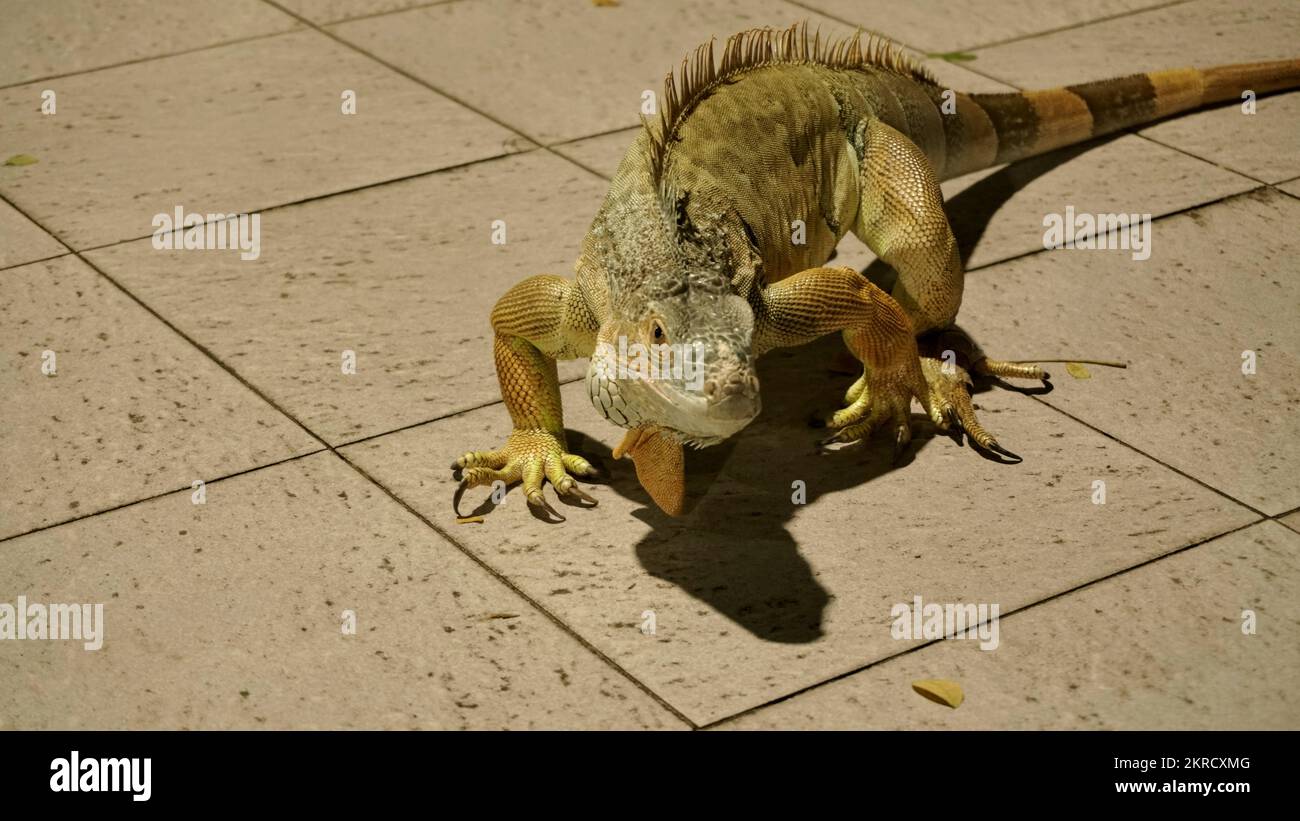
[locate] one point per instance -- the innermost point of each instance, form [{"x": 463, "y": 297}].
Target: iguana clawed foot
[
  {"x": 950, "y": 384},
  {"x": 530, "y": 456},
  {"x": 883, "y": 398}
]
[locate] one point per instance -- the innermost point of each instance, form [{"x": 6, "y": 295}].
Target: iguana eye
[{"x": 659, "y": 331}]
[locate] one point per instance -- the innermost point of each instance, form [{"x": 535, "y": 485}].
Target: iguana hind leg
[
  {"x": 901, "y": 218},
  {"x": 819, "y": 301},
  {"x": 539, "y": 319}
]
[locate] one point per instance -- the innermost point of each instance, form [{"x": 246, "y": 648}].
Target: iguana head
[{"x": 675, "y": 350}]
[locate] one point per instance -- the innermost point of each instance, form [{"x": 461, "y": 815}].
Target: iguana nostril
[{"x": 732, "y": 384}]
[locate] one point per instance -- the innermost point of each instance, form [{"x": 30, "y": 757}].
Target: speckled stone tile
[
  {"x": 999, "y": 214},
  {"x": 57, "y": 37},
  {"x": 22, "y": 240},
  {"x": 601, "y": 154},
  {"x": 754, "y": 597},
  {"x": 1161, "y": 647},
  {"x": 1292, "y": 187},
  {"x": 321, "y": 12},
  {"x": 953, "y": 25},
  {"x": 404, "y": 275},
  {"x": 560, "y": 71},
  {"x": 1292, "y": 521},
  {"x": 1220, "y": 281},
  {"x": 261, "y": 126},
  {"x": 1264, "y": 145},
  {"x": 231, "y": 615},
  {"x": 1199, "y": 33},
  {"x": 132, "y": 409}
]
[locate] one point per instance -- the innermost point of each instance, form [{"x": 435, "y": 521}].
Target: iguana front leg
[
  {"x": 819, "y": 301},
  {"x": 540, "y": 319},
  {"x": 901, "y": 218}
]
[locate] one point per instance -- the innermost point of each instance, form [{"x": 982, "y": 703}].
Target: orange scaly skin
[{"x": 696, "y": 244}]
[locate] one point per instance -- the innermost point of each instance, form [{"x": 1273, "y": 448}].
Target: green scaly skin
[{"x": 697, "y": 244}]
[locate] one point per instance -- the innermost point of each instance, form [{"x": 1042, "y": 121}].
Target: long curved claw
[
  {"x": 461, "y": 487},
  {"x": 996, "y": 448},
  {"x": 476, "y": 477},
  {"x": 542, "y": 509},
  {"x": 950, "y": 395},
  {"x": 576, "y": 496},
  {"x": 563, "y": 483},
  {"x": 530, "y": 456}
]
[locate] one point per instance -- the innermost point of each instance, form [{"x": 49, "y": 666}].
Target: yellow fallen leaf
[
  {"x": 940, "y": 691},
  {"x": 606, "y": 3},
  {"x": 469, "y": 520},
  {"x": 21, "y": 159},
  {"x": 1077, "y": 370}
]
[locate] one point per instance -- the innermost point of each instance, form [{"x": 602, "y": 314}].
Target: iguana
[{"x": 696, "y": 248}]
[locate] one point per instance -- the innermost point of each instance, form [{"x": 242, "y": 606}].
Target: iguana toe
[
  {"x": 531, "y": 457},
  {"x": 950, "y": 397}
]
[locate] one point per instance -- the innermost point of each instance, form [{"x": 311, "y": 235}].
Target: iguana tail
[{"x": 991, "y": 129}]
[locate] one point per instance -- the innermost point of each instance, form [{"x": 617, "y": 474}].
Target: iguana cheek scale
[{"x": 718, "y": 224}]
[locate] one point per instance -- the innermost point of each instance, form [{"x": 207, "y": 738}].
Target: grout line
[
  {"x": 1134, "y": 131},
  {"x": 923, "y": 53},
  {"x": 1284, "y": 192},
  {"x": 327, "y": 447},
  {"x": 1072, "y": 26},
  {"x": 34, "y": 261},
  {"x": 228, "y": 369},
  {"x": 1155, "y": 459},
  {"x": 415, "y": 79},
  {"x": 565, "y": 627},
  {"x": 334, "y": 449},
  {"x": 317, "y": 197},
  {"x": 139, "y": 60},
  {"x": 156, "y": 496},
  {"x": 1077, "y": 588},
  {"x": 1184, "y": 210},
  {"x": 373, "y": 14},
  {"x": 449, "y": 415},
  {"x": 606, "y": 133}
]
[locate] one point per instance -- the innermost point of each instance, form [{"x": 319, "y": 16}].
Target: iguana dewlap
[{"x": 709, "y": 248}]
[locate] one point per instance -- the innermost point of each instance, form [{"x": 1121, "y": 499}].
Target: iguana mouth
[{"x": 689, "y": 419}]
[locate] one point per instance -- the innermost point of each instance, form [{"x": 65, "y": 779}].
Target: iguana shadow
[{"x": 735, "y": 553}]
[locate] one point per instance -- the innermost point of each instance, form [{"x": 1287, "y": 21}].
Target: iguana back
[{"x": 718, "y": 224}]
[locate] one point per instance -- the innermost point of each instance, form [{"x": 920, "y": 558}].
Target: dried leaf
[
  {"x": 952, "y": 56},
  {"x": 940, "y": 691},
  {"x": 1077, "y": 370},
  {"x": 469, "y": 520},
  {"x": 21, "y": 159},
  {"x": 604, "y": 3}
]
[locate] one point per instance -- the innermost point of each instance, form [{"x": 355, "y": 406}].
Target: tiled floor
[{"x": 325, "y": 496}]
